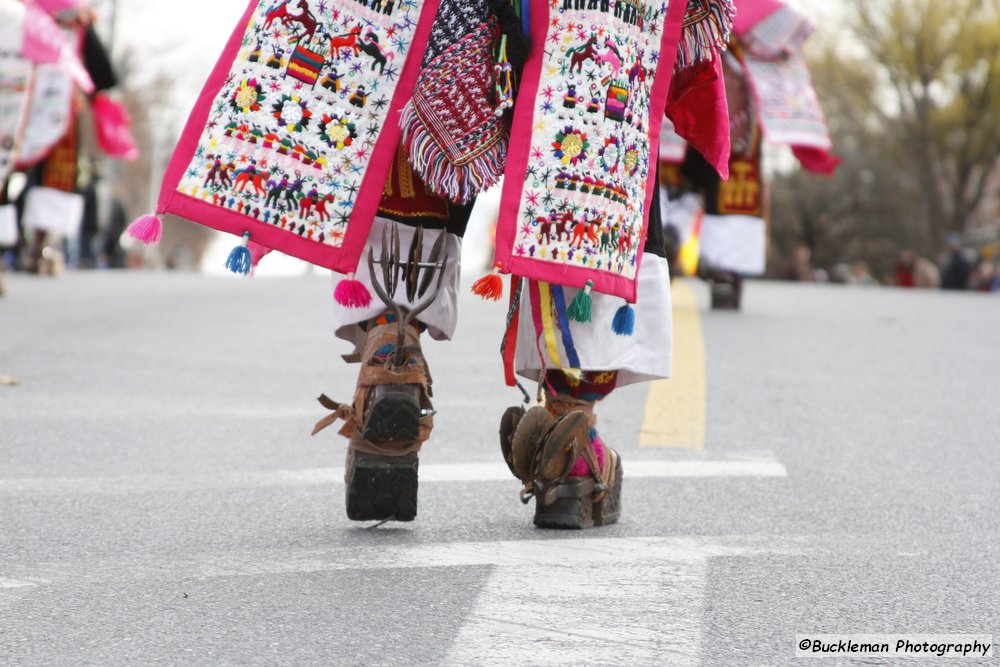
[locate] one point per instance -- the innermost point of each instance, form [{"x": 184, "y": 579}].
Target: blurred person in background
[
  {"x": 957, "y": 267},
  {"x": 799, "y": 267},
  {"x": 913, "y": 270}
]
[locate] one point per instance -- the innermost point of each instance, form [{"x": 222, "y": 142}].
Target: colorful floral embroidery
[
  {"x": 291, "y": 132},
  {"x": 571, "y": 146},
  {"x": 584, "y": 197},
  {"x": 248, "y": 96}
]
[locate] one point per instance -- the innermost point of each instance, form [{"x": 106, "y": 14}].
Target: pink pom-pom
[
  {"x": 352, "y": 293},
  {"x": 146, "y": 228}
]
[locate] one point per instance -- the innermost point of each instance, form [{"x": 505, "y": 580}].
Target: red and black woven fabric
[{"x": 455, "y": 139}]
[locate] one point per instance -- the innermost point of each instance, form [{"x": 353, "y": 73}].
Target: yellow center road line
[{"x": 676, "y": 408}]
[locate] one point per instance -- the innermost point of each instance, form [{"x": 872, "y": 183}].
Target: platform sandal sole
[
  {"x": 572, "y": 506},
  {"x": 381, "y": 488},
  {"x": 609, "y": 510},
  {"x": 394, "y": 415}
]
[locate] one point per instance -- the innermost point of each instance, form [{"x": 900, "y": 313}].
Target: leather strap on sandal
[{"x": 562, "y": 404}]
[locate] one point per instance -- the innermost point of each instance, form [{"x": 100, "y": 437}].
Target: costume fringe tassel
[
  {"x": 490, "y": 287},
  {"x": 624, "y": 322},
  {"x": 352, "y": 293},
  {"x": 582, "y": 308},
  {"x": 707, "y": 28},
  {"x": 146, "y": 228},
  {"x": 457, "y": 183},
  {"x": 257, "y": 253},
  {"x": 240, "y": 261}
]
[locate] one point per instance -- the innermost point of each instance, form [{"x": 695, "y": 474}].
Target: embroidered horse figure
[
  {"x": 625, "y": 242},
  {"x": 371, "y": 46},
  {"x": 585, "y": 230},
  {"x": 348, "y": 41},
  {"x": 275, "y": 190},
  {"x": 276, "y": 12},
  {"x": 250, "y": 176},
  {"x": 554, "y": 227},
  {"x": 320, "y": 207},
  {"x": 315, "y": 203},
  {"x": 218, "y": 173},
  {"x": 612, "y": 57},
  {"x": 293, "y": 192},
  {"x": 307, "y": 202},
  {"x": 307, "y": 22},
  {"x": 581, "y": 54},
  {"x": 637, "y": 72}
]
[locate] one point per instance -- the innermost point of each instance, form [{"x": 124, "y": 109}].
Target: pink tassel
[
  {"x": 351, "y": 293},
  {"x": 146, "y": 228},
  {"x": 257, "y": 253}
]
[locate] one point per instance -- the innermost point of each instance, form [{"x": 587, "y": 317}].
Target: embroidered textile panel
[
  {"x": 15, "y": 96},
  {"x": 49, "y": 115},
  {"x": 295, "y": 132},
  {"x": 790, "y": 112},
  {"x": 577, "y": 194}
]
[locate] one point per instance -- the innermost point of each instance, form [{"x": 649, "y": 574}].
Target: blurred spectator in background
[
  {"x": 983, "y": 276},
  {"x": 957, "y": 267},
  {"x": 915, "y": 271},
  {"x": 799, "y": 267},
  {"x": 860, "y": 275}
]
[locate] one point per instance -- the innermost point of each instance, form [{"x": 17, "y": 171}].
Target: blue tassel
[
  {"x": 240, "y": 260},
  {"x": 624, "y": 322}
]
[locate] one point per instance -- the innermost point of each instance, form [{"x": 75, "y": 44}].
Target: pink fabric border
[
  {"x": 751, "y": 12},
  {"x": 343, "y": 259},
  {"x": 519, "y": 153}
]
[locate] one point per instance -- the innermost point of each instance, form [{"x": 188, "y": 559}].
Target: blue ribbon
[{"x": 560, "y": 300}]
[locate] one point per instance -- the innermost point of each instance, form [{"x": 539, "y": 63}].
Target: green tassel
[{"x": 581, "y": 310}]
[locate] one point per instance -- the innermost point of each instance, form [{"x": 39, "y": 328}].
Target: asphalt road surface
[{"x": 834, "y": 470}]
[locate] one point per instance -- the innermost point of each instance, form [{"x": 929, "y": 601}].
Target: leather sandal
[
  {"x": 386, "y": 425},
  {"x": 552, "y": 445}
]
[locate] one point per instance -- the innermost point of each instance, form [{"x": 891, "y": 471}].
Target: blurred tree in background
[{"x": 912, "y": 94}]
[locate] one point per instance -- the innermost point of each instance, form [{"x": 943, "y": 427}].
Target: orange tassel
[{"x": 490, "y": 287}]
